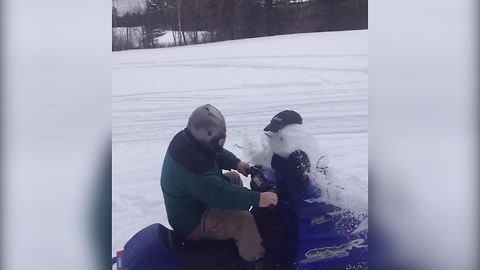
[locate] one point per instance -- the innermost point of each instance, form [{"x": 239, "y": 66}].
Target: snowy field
[{"x": 323, "y": 76}]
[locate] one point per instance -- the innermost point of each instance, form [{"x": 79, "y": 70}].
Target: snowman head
[{"x": 282, "y": 132}]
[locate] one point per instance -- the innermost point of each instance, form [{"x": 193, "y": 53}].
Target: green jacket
[{"x": 192, "y": 180}]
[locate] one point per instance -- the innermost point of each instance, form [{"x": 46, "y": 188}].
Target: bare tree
[
  {"x": 268, "y": 17},
  {"x": 181, "y": 33},
  {"x": 195, "y": 22}
]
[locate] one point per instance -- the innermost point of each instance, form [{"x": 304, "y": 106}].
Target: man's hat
[{"x": 283, "y": 119}]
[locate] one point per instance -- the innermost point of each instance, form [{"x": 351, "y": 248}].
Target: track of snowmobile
[{"x": 323, "y": 76}]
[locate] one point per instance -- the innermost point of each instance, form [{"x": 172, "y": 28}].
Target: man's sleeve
[
  {"x": 217, "y": 192},
  {"x": 226, "y": 160}
]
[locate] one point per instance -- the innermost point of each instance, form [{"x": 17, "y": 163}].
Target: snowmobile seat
[
  {"x": 205, "y": 254},
  {"x": 147, "y": 250},
  {"x": 157, "y": 247}
]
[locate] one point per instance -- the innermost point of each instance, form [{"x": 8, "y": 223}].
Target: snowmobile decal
[
  {"x": 318, "y": 221},
  {"x": 325, "y": 253}
]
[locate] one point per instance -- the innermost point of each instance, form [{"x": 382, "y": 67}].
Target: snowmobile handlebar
[
  {"x": 262, "y": 181},
  {"x": 259, "y": 180}
]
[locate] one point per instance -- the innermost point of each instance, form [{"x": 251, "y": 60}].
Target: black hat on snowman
[{"x": 283, "y": 119}]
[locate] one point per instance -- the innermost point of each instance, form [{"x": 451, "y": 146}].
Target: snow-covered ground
[
  {"x": 161, "y": 38},
  {"x": 167, "y": 39},
  {"x": 323, "y": 76}
]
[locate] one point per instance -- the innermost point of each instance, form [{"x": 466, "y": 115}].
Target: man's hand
[
  {"x": 243, "y": 168},
  {"x": 267, "y": 199}
]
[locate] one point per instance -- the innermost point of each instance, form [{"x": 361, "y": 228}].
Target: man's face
[{"x": 218, "y": 142}]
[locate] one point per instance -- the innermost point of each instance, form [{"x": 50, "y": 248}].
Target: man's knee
[
  {"x": 242, "y": 225},
  {"x": 234, "y": 178},
  {"x": 244, "y": 217}
]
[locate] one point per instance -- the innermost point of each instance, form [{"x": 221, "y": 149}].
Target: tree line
[{"x": 237, "y": 19}]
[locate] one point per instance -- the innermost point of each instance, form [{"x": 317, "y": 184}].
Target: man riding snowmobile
[{"x": 203, "y": 203}]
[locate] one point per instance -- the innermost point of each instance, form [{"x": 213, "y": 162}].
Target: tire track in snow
[
  {"x": 206, "y": 91},
  {"x": 250, "y": 66},
  {"x": 308, "y": 56}
]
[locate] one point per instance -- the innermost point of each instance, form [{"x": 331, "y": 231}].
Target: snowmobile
[{"x": 300, "y": 233}]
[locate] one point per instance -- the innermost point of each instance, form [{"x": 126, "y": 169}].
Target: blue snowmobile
[{"x": 300, "y": 233}]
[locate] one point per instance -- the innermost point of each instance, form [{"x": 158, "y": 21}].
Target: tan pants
[{"x": 220, "y": 224}]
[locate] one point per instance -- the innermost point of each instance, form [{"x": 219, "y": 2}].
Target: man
[{"x": 203, "y": 203}]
